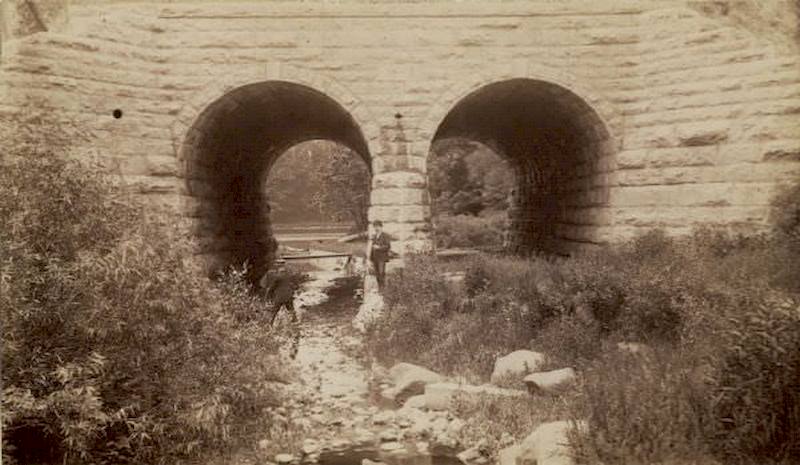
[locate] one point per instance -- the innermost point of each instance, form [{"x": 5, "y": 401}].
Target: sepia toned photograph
[{"x": 400, "y": 232}]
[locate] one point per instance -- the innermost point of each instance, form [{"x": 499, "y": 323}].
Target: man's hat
[{"x": 377, "y": 223}]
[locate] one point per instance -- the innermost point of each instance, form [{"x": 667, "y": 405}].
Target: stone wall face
[{"x": 691, "y": 120}]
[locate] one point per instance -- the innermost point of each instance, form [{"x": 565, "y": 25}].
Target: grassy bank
[{"x": 720, "y": 313}]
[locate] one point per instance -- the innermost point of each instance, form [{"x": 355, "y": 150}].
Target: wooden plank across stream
[{"x": 315, "y": 255}]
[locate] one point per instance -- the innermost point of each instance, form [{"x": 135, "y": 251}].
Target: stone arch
[
  {"x": 561, "y": 144},
  {"x": 611, "y": 118},
  {"x": 231, "y": 144},
  {"x": 218, "y": 86}
]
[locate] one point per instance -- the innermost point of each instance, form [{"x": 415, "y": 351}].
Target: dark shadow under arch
[
  {"x": 561, "y": 153},
  {"x": 237, "y": 139}
]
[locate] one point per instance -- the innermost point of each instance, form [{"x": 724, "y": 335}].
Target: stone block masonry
[{"x": 617, "y": 116}]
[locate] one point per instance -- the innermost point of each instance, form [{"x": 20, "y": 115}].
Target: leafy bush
[
  {"x": 734, "y": 397},
  {"x": 756, "y": 381},
  {"x": 786, "y": 214},
  {"x": 467, "y": 178},
  {"x": 116, "y": 347},
  {"x": 498, "y": 422},
  {"x": 726, "y": 364},
  {"x": 462, "y": 328},
  {"x": 646, "y": 291},
  {"x": 641, "y": 410},
  {"x": 464, "y": 231},
  {"x": 570, "y": 341},
  {"x": 719, "y": 310},
  {"x": 786, "y": 221},
  {"x": 416, "y": 294},
  {"x": 476, "y": 280}
]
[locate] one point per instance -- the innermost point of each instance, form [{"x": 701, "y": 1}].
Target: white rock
[
  {"x": 508, "y": 456},
  {"x": 550, "y": 382},
  {"x": 520, "y": 362},
  {"x": 439, "y": 425},
  {"x": 439, "y": 396},
  {"x": 392, "y": 446},
  {"x": 453, "y": 276},
  {"x": 335, "y": 422},
  {"x": 456, "y": 426},
  {"x": 401, "y": 372},
  {"x": 388, "y": 396},
  {"x": 363, "y": 432},
  {"x": 284, "y": 459},
  {"x": 370, "y": 310},
  {"x": 415, "y": 402},
  {"x": 341, "y": 443},
  {"x": 370, "y": 462},
  {"x": 310, "y": 446},
  {"x": 633, "y": 347},
  {"x": 390, "y": 435},
  {"x": 420, "y": 421},
  {"x": 470, "y": 455},
  {"x": 421, "y": 428},
  {"x": 382, "y": 418},
  {"x": 548, "y": 444},
  {"x": 409, "y": 380},
  {"x": 443, "y": 444}
]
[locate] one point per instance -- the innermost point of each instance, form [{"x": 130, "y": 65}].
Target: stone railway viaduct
[{"x": 616, "y": 116}]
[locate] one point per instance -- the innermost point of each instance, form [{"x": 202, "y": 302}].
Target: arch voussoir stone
[
  {"x": 219, "y": 86},
  {"x": 601, "y": 105}
]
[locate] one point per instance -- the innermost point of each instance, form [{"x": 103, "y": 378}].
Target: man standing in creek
[{"x": 379, "y": 247}]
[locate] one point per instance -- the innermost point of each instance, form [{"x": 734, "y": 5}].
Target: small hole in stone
[
  {"x": 398, "y": 115},
  {"x": 117, "y": 113}
]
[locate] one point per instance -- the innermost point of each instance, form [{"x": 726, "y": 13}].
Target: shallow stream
[{"x": 343, "y": 408}]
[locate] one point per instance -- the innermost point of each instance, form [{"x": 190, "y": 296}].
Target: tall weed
[{"x": 116, "y": 348}]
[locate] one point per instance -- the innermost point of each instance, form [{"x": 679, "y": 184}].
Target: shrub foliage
[
  {"x": 464, "y": 231},
  {"x": 720, "y": 313},
  {"x": 116, "y": 348}
]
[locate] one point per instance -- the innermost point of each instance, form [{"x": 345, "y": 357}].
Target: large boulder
[
  {"x": 550, "y": 382},
  {"x": 402, "y": 371},
  {"x": 439, "y": 396},
  {"x": 517, "y": 363},
  {"x": 409, "y": 380},
  {"x": 546, "y": 445}
]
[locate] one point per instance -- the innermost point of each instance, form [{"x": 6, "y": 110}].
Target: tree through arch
[
  {"x": 561, "y": 153},
  {"x": 235, "y": 141}
]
